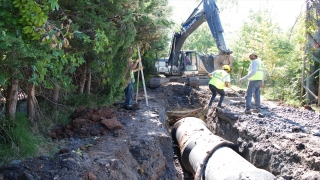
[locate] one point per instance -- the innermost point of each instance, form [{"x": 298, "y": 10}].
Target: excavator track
[
  {"x": 193, "y": 81},
  {"x": 156, "y": 81}
]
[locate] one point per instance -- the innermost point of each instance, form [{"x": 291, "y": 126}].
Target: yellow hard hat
[{"x": 226, "y": 67}]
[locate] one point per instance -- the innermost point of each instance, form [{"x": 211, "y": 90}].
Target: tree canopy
[{"x": 69, "y": 45}]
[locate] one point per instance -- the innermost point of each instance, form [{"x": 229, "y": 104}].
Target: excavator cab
[
  {"x": 187, "y": 64},
  {"x": 189, "y": 59}
]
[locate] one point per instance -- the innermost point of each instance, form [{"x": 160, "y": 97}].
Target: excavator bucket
[
  {"x": 206, "y": 64},
  {"x": 211, "y": 63},
  {"x": 223, "y": 59}
]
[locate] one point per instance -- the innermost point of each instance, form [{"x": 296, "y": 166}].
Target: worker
[
  {"x": 256, "y": 75},
  {"x": 188, "y": 62},
  {"x": 218, "y": 80},
  {"x": 129, "y": 91}
]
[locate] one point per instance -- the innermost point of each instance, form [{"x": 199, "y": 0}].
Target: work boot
[
  {"x": 256, "y": 110},
  {"x": 128, "y": 107},
  {"x": 220, "y": 106},
  {"x": 247, "y": 112}
]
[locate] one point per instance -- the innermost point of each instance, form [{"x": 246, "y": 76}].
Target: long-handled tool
[
  {"x": 236, "y": 92},
  {"x": 137, "y": 94}
]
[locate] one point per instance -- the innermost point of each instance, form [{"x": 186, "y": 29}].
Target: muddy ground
[{"x": 114, "y": 143}]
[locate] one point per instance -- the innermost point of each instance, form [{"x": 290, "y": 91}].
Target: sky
[{"x": 283, "y": 12}]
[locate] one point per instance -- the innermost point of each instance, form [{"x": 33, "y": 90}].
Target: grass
[
  {"x": 20, "y": 140},
  {"x": 17, "y": 140}
]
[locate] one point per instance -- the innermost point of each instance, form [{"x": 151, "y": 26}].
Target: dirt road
[{"x": 113, "y": 143}]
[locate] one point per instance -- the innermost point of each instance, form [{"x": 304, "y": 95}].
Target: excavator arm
[
  {"x": 213, "y": 20},
  {"x": 209, "y": 13},
  {"x": 176, "y": 68}
]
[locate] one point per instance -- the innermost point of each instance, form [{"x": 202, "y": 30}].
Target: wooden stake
[{"x": 138, "y": 85}]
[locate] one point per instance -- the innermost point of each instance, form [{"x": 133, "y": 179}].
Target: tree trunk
[
  {"x": 82, "y": 78},
  {"x": 12, "y": 99},
  {"x": 55, "y": 96},
  {"x": 31, "y": 103},
  {"x": 88, "y": 84}
]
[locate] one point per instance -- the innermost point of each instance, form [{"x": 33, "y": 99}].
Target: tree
[
  {"x": 281, "y": 56},
  {"x": 74, "y": 44}
]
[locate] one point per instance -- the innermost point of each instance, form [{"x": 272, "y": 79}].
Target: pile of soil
[{"x": 114, "y": 143}]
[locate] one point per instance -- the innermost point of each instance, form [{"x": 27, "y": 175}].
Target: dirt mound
[{"x": 87, "y": 122}]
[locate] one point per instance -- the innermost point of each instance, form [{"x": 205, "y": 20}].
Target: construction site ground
[{"x": 117, "y": 144}]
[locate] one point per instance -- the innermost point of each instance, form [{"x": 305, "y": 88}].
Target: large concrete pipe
[{"x": 210, "y": 157}]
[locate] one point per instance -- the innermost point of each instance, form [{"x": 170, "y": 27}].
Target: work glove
[{"x": 241, "y": 80}]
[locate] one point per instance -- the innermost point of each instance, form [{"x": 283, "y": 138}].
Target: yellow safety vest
[
  {"x": 259, "y": 73},
  {"x": 132, "y": 76},
  {"x": 218, "y": 79}
]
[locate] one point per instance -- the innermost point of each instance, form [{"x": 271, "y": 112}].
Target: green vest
[
  {"x": 218, "y": 79},
  {"x": 259, "y": 73},
  {"x": 132, "y": 76}
]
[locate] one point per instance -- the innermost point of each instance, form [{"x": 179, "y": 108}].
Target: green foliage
[
  {"x": 32, "y": 15},
  {"x": 280, "y": 54},
  {"x": 202, "y": 41},
  {"x": 16, "y": 138},
  {"x": 75, "y": 100},
  {"x": 285, "y": 84}
]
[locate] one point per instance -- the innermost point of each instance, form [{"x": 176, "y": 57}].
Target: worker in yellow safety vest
[
  {"x": 218, "y": 80},
  {"x": 256, "y": 75},
  {"x": 129, "y": 91}
]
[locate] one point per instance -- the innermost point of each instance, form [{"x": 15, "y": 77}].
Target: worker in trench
[
  {"x": 129, "y": 90},
  {"x": 219, "y": 79},
  {"x": 256, "y": 75}
]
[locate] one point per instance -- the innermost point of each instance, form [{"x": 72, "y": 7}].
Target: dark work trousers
[
  {"x": 214, "y": 91},
  {"x": 129, "y": 93}
]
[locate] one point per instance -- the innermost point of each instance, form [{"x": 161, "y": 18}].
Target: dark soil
[{"x": 114, "y": 143}]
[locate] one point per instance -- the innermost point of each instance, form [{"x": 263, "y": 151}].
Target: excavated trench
[
  {"x": 281, "y": 140},
  {"x": 114, "y": 143}
]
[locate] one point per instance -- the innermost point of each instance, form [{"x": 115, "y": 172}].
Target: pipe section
[{"x": 210, "y": 157}]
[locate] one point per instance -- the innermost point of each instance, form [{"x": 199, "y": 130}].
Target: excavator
[{"x": 188, "y": 66}]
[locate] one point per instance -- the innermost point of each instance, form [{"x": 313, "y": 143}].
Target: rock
[
  {"x": 53, "y": 135},
  {"x": 64, "y": 150},
  {"x": 15, "y": 162},
  {"x": 111, "y": 124},
  {"x": 95, "y": 117},
  {"x": 89, "y": 176}
]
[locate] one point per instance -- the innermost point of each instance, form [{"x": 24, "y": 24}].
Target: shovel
[{"x": 236, "y": 92}]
